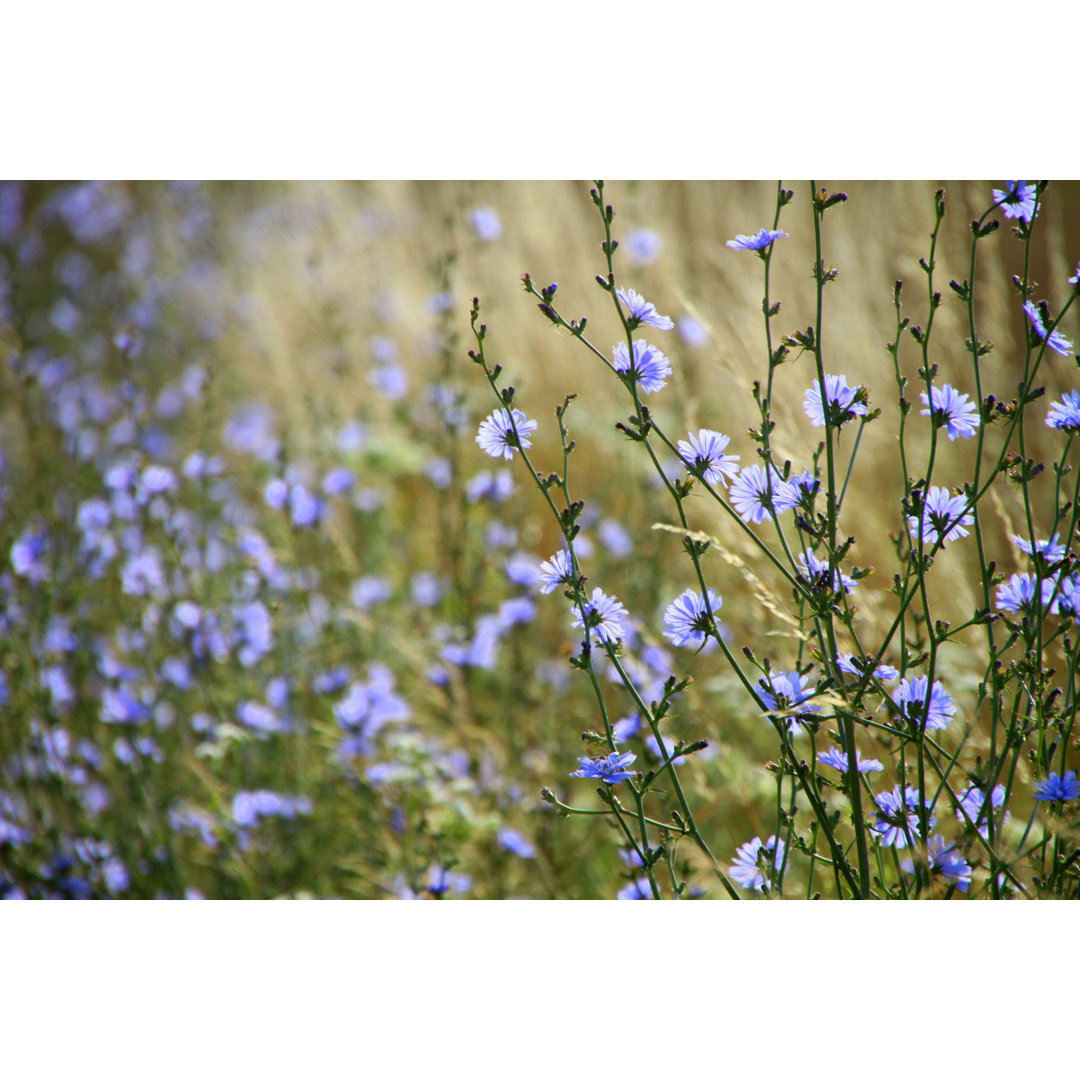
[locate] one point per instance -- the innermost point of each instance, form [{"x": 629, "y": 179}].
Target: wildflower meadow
[{"x": 387, "y": 541}]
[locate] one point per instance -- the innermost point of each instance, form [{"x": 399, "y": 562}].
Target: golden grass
[{"x": 324, "y": 268}]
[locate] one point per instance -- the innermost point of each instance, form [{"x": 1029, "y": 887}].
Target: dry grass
[{"x": 323, "y": 268}]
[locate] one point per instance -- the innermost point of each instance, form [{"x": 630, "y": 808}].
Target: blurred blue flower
[
  {"x": 496, "y": 486},
  {"x": 485, "y": 223},
  {"x": 118, "y": 706},
  {"x": 250, "y": 430},
  {"x": 1017, "y": 200},
  {"x": 338, "y": 481},
  {"x": 522, "y": 569},
  {"x": 615, "y": 538},
  {"x": 368, "y": 591},
  {"x": 441, "y": 881},
  {"x": 253, "y": 633},
  {"x": 1057, "y": 788},
  {"x": 518, "y": 609},
  {"x": 515, "y": 843},
  {"x": 390, "y": 380},
  {"x": 703, "y": 454},
  {"x": 496, "y": 435},
  {"x": 641, "y": 311},
  {"x": 28, "y": 554},
  {"x": 643, "y": 246},
  {"x": 610, "y": 769},
  {"x": 425, "y": 588},
  {"x": 951, "y": 410},
  {"x": 692, "y": 332},
  {"x": 650, "y": 367},
  {"x": 636, "y": 890},
  {"x": 626, "y": 727},
  {"x": 305, "y": 508},
  {"x": 260, "y": 717}
]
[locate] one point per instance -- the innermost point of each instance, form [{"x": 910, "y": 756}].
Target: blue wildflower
[
  {"x": 755, "y": 862},
  {"x": 557, "y": 571},
  {"x": 783, "y": 691},
  {"x": 703, "y": 455},
  {"x": 497, "y": 437},
  {"x": 755, "y": 494},
  {"x": 943, "y": 858},
  {"x": 1065, "y": 414},
  {"x": 897, "y": 816},
  {"x": 758, "y": 242},
  {"x": 1018, "y": 594},
  {"x": 930, "y": 708},
  {"x": 650, "y": 367},
  {"x": 842, "y": 402},
  {"x": 951, "y": 410},
  {"x": 610, "y": 769},
  {"x": 973, "y": 799},
  {"x": 1056, "y": 339},
  {"x": 837, "y": 759},
  {"x": 1017, "y": 200},
  {"x": 944, "y": 516},
  {"x": 641, "y": 311},
  {"x": 1046, "y": 551},
  {"x": 816, "y": 571},
  {"x": 687, "y": 620},
  {"x": 847, "y": 662},
  {"x": 1057, "y": 788},
  {"x": 604, "y": 614}
]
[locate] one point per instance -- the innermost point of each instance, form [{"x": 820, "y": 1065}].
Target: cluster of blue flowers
[{"x": 919, "y": 708}]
